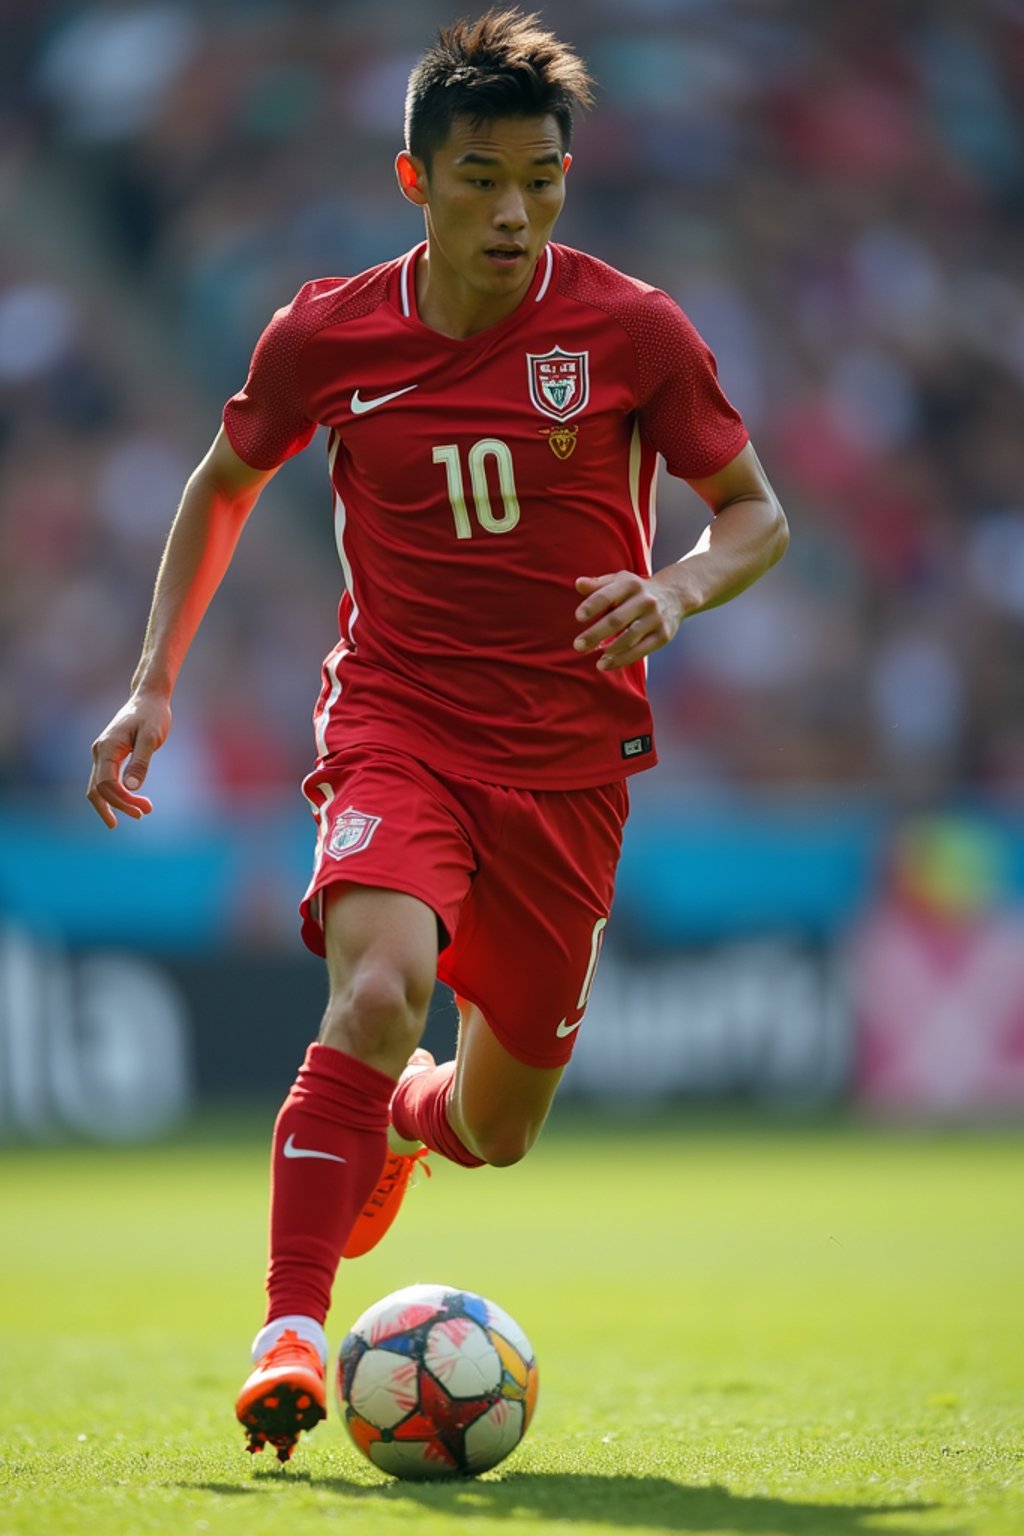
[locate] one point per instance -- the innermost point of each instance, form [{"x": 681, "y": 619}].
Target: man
[{"x": 495, "y": 406}]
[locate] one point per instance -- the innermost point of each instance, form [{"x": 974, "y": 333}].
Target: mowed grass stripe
[{"x": 750, "y": 1330}]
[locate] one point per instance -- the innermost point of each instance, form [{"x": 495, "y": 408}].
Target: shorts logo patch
[
  {"x": 351, "y": 833},
  {"x": 559, "y": 382},
  {"x": 636, "y": 746}
]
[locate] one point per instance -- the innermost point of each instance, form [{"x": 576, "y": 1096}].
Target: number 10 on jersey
[{"x": 491, "y": 522}]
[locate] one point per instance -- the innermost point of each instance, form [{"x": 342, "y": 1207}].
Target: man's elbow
[{"x": 776, "y": 532}]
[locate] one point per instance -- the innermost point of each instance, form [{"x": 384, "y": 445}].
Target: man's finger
[
  {"x": 115, "y": 794},
  {"x": 611, "y": 660},
  {"x": 598, "y": 595},
  {"x": 100, "y": 806},
  {"x": 106, "y": 791},
  {"x": 145, "y": 746},
  {"x": 609, "y": 624},
  {"x": 604, "y": 593}
]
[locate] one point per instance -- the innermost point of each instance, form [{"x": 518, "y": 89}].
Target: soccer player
[{"x": 495, "y": 406}]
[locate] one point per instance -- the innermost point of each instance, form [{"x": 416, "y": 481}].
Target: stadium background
[{"x": 821, "y": 897}]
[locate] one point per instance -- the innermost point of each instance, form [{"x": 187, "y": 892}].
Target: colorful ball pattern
[{"x": 436, "y": 1382}]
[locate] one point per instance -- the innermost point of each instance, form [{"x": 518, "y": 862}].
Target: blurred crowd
[{"x": 834, "y": 193}]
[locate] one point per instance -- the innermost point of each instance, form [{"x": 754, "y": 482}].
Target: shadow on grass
[{"x": 635, "y": 1502}]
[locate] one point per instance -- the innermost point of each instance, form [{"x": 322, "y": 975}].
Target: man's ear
[{"x": 411, "y": 177}]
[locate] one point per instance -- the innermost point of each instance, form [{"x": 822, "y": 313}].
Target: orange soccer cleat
[
  {"x": 283, "y": 1396},
  {"x": 382, "y": 1207}
]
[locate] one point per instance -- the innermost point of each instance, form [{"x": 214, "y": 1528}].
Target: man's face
[{"x": 492, "y": 195}]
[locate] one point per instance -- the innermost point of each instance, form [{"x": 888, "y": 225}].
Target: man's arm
[
  {"x": 219, "y": 495},
  {"x": 629, "y": 616}
]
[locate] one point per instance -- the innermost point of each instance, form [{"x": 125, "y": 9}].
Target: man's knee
[{"x": 377, "y": 1011}]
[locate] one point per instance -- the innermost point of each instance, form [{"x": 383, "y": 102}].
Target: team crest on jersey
[
  {"x": 351, "y": 832},
  {"x": 559, "y": 382}
]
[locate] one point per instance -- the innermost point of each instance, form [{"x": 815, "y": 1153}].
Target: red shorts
[{"x": 521, "y": 880}]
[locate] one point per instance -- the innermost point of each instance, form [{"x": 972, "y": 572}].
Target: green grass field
[{"x": 750, "y": 1330}]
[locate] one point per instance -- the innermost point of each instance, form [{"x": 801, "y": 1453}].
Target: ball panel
[
  {"x": 401, "y": 1311},
  {"x": 499, "y": 1321},
  {"x": 490, "y": 1438},
  {"x": 514, "y": 1366},
  {"x": 352, "y": 1351},
  {"x": 532, "y": 1388},
  {"x": 384, "y": 1387},
  {"x": 449, "y": 1415},
  {"x": 363, "y": 1435},
  {"x": 460, "y": 1354},
  {"x": 475, "y": 1306},
  {"x": 416, "y": 1460}
]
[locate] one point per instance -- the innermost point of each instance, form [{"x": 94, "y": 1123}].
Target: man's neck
[{"x": 448, "y": 305}]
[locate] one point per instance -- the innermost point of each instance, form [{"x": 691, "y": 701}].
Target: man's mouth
[{"x": 505, "y": 255}]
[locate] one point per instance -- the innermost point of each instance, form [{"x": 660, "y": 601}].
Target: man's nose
[{"x": 511, "y": 212}]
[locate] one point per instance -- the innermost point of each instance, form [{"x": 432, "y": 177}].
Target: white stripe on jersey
[
  {"x": 646, "y": 536},
  {"x": 323, "y": 716},
  {"x": 406, "y": 264},
  {"x": 635, "y": 460},
  {"x": 547, "y": 275},
  {"x": 340, "y": 516}
]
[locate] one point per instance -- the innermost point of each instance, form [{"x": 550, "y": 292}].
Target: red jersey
[{"x": 474, "y": 479}]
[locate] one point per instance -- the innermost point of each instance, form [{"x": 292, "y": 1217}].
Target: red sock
[
  {"x": 330, "y": 1142},
  {"x": 419, "y": 1112}
]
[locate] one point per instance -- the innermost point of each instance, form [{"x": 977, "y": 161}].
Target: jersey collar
[{"x": 540, "y": 287}]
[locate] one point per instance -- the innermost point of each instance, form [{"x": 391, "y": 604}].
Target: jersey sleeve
[
  {"x": 683, "y": 411},
  {"x": 266, "y": 421}
]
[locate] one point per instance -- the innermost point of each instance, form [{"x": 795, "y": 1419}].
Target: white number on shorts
[
  {"x": 486, "y": 448},
  {"x": 595, "y": 954}
]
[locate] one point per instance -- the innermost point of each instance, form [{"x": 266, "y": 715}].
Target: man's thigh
[
  {"x": 386, "y": 822},
  {"x": 529, "y": 934}
]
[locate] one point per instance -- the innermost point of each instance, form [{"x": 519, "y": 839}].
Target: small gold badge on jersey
[
  {"x": 561, "y": 440},
  {"x": 559, "y": 382},
  {"x": 351, "y": 832}
]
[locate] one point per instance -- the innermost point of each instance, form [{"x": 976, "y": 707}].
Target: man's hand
[
  {"x": 628, "y": 616},
  {"x": 135, "y": 732}
]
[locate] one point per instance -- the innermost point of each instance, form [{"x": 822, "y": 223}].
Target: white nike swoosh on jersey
[
  {"x": 291, "y": 1150},
  {"x": 568, "y": 1029},
  {"x": 359, "y": 407}
]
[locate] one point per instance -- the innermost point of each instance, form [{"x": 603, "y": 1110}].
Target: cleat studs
[
  {"x": 271, "y": 1402},
  {"x": 303, "y": 1402}
]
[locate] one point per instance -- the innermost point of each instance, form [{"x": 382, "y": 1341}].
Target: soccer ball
[{"x": 436, "y": 1382}]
